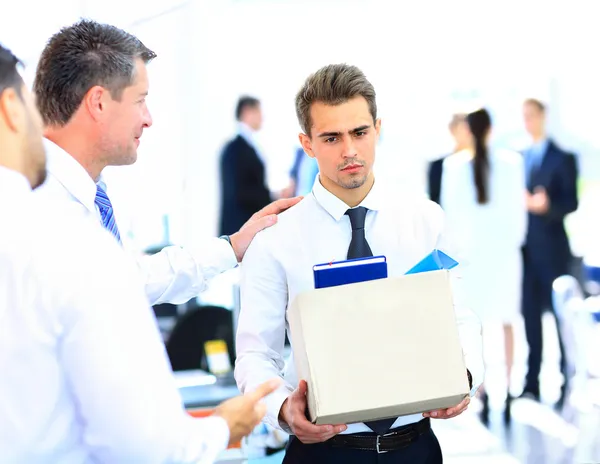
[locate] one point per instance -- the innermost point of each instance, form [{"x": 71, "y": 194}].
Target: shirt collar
[
  {"x": 336, "y": 207},
  {"x": 71, "y": 175},
  {"x": 13, "y": 183},
  {"x": 539, "y": 148},
  {"x": 247, "y": 133}
]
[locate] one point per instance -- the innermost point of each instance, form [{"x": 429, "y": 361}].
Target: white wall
[{"x": 423, "y": 59}]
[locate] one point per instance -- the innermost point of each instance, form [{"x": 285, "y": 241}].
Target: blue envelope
[{"x": 434, "y": 261}]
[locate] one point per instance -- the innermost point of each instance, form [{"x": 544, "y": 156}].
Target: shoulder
[
  {"x": 560, "y": 155},
  {"x": 289, "y": 220},
  {"x": 424, "y": 217},
  {"x": 437, "y": 163},
  {"x": 410, "y": 207},
  {"x": 457, "y": 161},
  {"x": 557, "y": 150},
  {"x": 70, "y": 255},
  {"x": 234, "y": 144},
  {"x": 289, "y": 223},
  {"x": 77, "y": 244}
]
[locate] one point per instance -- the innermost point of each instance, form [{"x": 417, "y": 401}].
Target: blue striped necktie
[{"x": 106, "y": 211}]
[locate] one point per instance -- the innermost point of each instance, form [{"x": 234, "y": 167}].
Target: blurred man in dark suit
[
  {"x": 243, "y": 181},
  {"x": 551, "y": 193}
]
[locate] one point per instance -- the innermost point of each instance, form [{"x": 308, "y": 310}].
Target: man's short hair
[
  {"x": 9, "y": 73},
  {"x": 538, "y": 104},
  {"x": 333, "y": 85},
  {"x": 243, "y": 103},
  {"x": 80, "y": 57}
]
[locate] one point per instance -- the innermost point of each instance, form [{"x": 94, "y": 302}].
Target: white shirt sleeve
[
  {"x": 116, "y": 365},
  {"x": 175, "y": 275},
  {"x": 469, "y": 325},
  {"x": 261, "y": 325}
]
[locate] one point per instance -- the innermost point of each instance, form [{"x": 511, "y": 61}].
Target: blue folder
[
  {"x": 434, "y": 261},
  {"x": 350, "y": 271}
]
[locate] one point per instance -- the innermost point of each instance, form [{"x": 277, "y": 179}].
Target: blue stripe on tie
[{"x": 106, "y": 212}]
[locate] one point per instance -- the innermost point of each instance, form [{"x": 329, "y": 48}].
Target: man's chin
[
  {"x": 125, "y": 160},
  {"x": 353, "y": 183}
]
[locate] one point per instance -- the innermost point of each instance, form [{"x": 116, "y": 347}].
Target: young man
[
  {"x": 551, "y": 194},
  {"x": 347, "y": 215},
  {"x": 91, "y": 85},
  {"x": 76, "y": 385}
]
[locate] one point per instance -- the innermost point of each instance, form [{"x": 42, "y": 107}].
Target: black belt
[{"x": 396, "y": 439}]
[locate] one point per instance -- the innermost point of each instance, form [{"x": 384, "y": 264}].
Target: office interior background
[{"x": 426, "y": 60}]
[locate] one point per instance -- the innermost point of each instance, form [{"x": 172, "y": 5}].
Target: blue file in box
[
  {"x": 434, "y": 261},
  {"x": 350, "y": 271}
]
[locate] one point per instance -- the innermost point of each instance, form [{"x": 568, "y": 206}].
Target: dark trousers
[
  {"x": 425, "y": 450},
  {"x": 537, "y": 296}
]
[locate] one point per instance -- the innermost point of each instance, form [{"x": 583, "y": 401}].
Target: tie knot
[
  {"x": 357, "y": 217},
  {"x": 102, "y": 198}
]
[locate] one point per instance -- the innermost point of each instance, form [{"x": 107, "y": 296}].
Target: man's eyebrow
[
  {"x": 330, "y": 134},
  {"x": 360, "y": 129},
  {"x": 337, "y": 134}
]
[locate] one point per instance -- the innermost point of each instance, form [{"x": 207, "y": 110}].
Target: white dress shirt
[
  {"x": 85, "y": 376},
  {"x": 175, "y": 275},
  {"x": 278, "y": 266}
]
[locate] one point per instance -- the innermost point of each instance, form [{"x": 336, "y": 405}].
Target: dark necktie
[
  {"x": 106, "y": 211},
  {"x": 359, "y": 248}
]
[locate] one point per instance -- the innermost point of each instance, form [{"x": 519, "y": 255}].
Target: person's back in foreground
[{"x": 85, "y": 377}]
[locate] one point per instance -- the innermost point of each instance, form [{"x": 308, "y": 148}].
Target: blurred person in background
[
  {"x": 483, "y": 200},
  {"x": 303, "y": 173},
  {"x": 460, "y": 133},
  {"x": 76, "y": 386},
  {"x": 91, "y": 85},
  {"x": 551, "y": 194},
  {"x": 244, "y": 189}
]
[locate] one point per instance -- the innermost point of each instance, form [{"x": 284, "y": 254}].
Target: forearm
[{"x": 175, "y": 275}]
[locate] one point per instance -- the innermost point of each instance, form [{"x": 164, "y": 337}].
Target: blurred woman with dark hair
[
  {"x": 482, "y": 195},
  {"x": 461, "y": 135}
]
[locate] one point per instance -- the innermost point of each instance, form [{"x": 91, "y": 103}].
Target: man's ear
[
  {"x": 12, "y": 110},
  {"x": 95, "y": 101},
  {"x": 306, "y": 144}
]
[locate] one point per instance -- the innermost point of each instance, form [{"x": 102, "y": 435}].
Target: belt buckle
[{"x": 377, "y": 445}]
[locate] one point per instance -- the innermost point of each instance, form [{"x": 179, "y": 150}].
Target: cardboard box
[{"x": 378, "y": 349}]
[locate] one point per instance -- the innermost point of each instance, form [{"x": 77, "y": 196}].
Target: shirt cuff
[
  {"x": 226, "y": 253},
  {"x": 222, "y": 434},
  {"x": 274, "y": 402},
  {"x": 477, "y": 374},
  {"x": 214, "y": 257}
]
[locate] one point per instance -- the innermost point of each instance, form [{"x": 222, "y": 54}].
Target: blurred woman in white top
[{"x": 482, "y": 195}]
